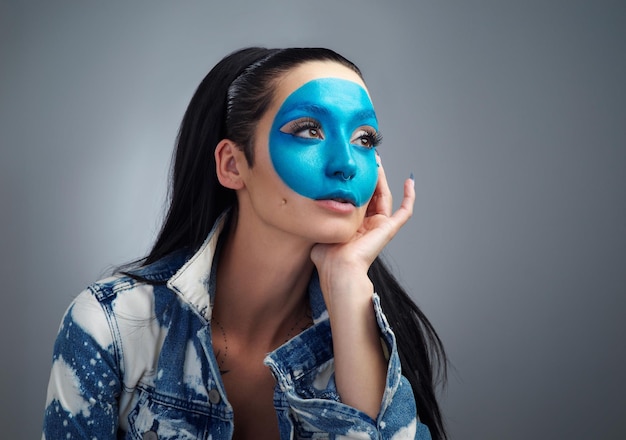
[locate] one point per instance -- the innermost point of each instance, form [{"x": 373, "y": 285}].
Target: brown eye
[
  {"x": 366, "y": 138},
  {"x": 310, "y": 132},
  {"x": 366, "y": 141},
  {"x": 306, "y": 128}
]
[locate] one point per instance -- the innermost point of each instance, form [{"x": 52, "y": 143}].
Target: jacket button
[
  {"x": 150, "y": 435},
  {"x": 214, "y": 397}
]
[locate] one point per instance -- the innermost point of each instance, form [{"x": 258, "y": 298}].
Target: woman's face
[
  {"x": 315, "y": 159},
  {"x": 322, "y": 141}
]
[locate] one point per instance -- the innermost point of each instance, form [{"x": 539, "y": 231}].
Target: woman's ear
[{"x": 229, "y": 159}]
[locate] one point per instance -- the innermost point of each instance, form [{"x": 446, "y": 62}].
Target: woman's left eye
[{"x": 367, "y": 138}]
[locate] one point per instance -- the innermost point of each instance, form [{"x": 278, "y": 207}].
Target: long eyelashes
[
  {"x": 306, "y": 127},
  {"x": 370, "y": 138},
  {"x": 310, "y": 128}
]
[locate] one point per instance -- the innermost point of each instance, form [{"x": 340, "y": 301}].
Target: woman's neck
[{"x": 262, "y": 280}]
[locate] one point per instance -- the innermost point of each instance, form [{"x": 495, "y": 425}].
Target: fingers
[
  {"x": 392, "y": 224},
  {"x": 405, "y": 211}
]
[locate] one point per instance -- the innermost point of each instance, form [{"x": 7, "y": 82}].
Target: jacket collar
[{"x": 194, "y": 282}]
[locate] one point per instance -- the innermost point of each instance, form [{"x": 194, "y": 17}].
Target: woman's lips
[
  {"x": 341, "y": 206},
  {"x": 340, "y": 197}
]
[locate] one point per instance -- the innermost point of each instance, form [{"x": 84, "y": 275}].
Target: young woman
[{"x": 263, "y": 310}]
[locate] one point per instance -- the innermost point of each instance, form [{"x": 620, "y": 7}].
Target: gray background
[{"x": 511, "y": 115}]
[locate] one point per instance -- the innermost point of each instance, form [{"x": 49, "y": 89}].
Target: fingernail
[{"x": 411, "y": 176}]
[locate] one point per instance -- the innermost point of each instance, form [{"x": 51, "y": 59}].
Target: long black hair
[{"x": 228, "y": 103}]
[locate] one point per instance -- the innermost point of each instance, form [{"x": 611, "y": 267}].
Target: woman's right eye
[
  {"x": 308, "y": 132},
  {"x": 305, "y": 128}
]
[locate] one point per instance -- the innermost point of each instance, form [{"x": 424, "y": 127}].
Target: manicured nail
[{"x": 411, "y": 176}]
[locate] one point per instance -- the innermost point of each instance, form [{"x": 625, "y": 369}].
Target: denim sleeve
[
  {"x": 85, "y": 379},
  {"x": 304, "y": 370}
]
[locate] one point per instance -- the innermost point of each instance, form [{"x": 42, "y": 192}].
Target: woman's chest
[{"x": 250, "y": 391}]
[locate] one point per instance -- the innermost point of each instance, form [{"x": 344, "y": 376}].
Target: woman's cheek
[
  {"x": 300, "y": 168},
  {"x": 367, "y": 176}
]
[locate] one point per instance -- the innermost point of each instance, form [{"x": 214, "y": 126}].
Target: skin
[{"x": 280, "y": 228}]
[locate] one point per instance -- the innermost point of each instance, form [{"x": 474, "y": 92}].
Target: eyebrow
[
  {"x": 311, "y": 108},
  {"x": 366, "y": 114},
  {"x": 320, "y": 110}
]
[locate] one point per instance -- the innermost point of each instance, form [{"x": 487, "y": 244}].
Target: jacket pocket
[{"x": 160, "y": 417}]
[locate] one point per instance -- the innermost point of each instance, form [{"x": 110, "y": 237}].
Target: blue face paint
[{"x": 322, "y": 141}]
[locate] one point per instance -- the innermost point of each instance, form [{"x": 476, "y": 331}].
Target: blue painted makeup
[{"x": 322, "y": 141}]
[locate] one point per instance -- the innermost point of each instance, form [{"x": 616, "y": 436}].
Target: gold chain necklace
[{"x": 221, "y": 358}]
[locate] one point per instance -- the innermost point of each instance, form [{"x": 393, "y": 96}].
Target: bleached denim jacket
[{"x": 134, "y": 360}]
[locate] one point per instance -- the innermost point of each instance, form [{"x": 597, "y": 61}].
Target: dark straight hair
[{"x": 228, "y": 103}]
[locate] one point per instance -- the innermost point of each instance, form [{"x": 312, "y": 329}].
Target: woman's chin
[
  {"x": 337, "y": 230},
  {"x": 336, "y": 237}
]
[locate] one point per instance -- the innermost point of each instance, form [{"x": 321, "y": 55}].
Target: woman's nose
[{"x": 341, "y": 164}]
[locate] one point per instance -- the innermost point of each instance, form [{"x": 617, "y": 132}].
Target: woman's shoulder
[
  {"x": 98, "y": 308},
  {"x": 136, "y": 294},
  {"x": 138, "y": 279}
]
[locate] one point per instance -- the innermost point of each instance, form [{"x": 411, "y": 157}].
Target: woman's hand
[
  {"x": 360, "y": 364},
  {"x": 380, "y": 225}
]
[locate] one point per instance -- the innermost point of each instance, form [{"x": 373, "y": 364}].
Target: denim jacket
[{"x": 134, "y": 360}]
